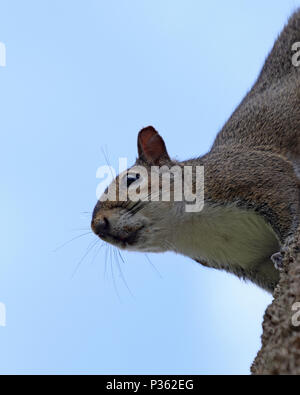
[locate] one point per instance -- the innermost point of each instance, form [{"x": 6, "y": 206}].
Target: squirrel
[{"x": 251, "y": 183}]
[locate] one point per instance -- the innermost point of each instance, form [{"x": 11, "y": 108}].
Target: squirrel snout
[{"x": 100, "y": 226}]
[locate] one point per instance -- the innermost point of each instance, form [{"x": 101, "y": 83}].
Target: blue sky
[{"x": 83, "y": 77}]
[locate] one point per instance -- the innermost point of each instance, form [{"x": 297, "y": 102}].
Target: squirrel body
[{"x": 251, "y": 189}]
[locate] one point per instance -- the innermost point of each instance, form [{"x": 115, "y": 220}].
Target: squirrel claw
[{"x": 277, "y": 259}]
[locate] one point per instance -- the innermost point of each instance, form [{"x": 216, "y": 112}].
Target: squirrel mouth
[{"x": 122, "y": 241}]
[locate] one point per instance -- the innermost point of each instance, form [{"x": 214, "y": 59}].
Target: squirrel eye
[{"x": 131, "y": 178}]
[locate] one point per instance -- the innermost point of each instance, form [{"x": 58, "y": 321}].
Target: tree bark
[{"x": 280, "y": 351}]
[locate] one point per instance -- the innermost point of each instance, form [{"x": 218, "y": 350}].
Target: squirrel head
[{"x": 132, "y": 213}]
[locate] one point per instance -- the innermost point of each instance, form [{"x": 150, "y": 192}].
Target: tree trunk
[{"x": 280, "y": 351}]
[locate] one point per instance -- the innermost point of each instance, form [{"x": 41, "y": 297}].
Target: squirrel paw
[{"x": 277, "y": 259}]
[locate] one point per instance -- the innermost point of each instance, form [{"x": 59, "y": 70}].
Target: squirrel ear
[{"x": 151, "y": 146}]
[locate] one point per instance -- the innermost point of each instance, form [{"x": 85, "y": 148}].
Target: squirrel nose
[{"x": 101, "y": 226}]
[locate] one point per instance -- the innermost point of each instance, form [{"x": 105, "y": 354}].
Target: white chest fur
[{"x": 226, "y": 237}]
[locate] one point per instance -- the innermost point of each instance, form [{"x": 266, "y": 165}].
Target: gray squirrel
[{"x": 251, "y": 182}]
